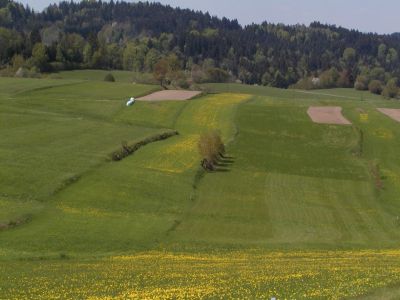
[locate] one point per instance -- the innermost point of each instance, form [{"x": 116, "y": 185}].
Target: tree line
[{"x": 198, "y": 46}]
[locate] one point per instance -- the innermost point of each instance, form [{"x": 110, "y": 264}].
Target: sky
[{"x": 364, "y": 15}]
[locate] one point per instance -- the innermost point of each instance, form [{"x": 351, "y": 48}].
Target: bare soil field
[
  {"x": 327, "y": 115},
  {"x": 169, "y": 95},
  {"x": 391, "y": 113}
]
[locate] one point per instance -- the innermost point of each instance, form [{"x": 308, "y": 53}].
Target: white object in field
[{"x": 130, "y": 102}]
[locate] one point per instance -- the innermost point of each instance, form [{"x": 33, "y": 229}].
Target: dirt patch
[
  {"x": 170, "y": 95},
  {"x": 391, "y": 113},
  {"x": 327, "y": 115}
]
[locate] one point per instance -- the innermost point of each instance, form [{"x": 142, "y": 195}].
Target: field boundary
[
  {"x": 47, "y": 87},
  {"x": 252, "y": 98},
  {"x": 128, "y": 150},
  {"x": 77, "y": 177}
]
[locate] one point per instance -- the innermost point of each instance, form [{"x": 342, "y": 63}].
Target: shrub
[
  {"x": 217, "y": 75},
  {"x": 211, "y": 148},
  {"x": 22, "y": 73},
  {"x": 391, "y": 90},
  {"x": 17, "y": 61},
  {"x": 127, "y": 150},
  {"x": 304, "y": 84},
  {"x": 198, "y": 75},
  {"x": 345, "y": 80},
  {"x": 266, "y": 79},
  {"x": 25, "y": 73},
  {"x": 182, "y": 83},
  {"x": 375, "y": 87},
  {"x": 109, "y": 78},
  {"x": 361, "y": 83},
  {"x": 57, "y": 66},
  {"x": 328, "y": 79},
  {"x": 179, "y": 79}
]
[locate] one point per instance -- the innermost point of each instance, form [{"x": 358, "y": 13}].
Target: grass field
[
  {"x": 244, "y": 274},
  {"x": 296, "y": 210}
]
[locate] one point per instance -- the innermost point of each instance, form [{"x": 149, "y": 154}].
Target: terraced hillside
[{"x": 295, "y": 210}]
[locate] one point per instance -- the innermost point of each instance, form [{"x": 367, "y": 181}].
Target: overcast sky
[{"x": 366, "y": 15}]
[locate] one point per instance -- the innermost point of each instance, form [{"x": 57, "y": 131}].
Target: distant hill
[{"x": 134, "y": 36}]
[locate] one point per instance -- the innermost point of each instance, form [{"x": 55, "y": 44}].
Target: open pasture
[
  {"x": 295, "y": 209},
  {"x": 52, "y": 133}
]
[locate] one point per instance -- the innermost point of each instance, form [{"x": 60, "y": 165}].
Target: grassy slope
[
  {"x": 131, "y": 204},
  {"x": 330, "y": 94},
  {"x": 288, "y": 184},
  {"x": 296, "y": 184},
  {"x": 52, "y": 132}
]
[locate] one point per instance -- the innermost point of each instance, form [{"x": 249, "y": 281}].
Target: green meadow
[{"x": 295, "y": 209}]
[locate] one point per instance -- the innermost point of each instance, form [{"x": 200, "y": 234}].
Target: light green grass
[
  {"x": 289, "y": 94},
  {"x": 47, "y": 141},
  {"x": 295, "y": 184},
  {"x": 52, "y": 132},
  {"x": 286, "y": 184},
  {"x": 130, "y": 204},
  {"x": 152, "y": 114},
  {"x": 11, "y": 87}
]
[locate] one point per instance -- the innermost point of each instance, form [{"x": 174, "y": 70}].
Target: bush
[
  {"x": 266, "y": 79},
  {"x": 22, "y": 73},
  {"x": 345, "y": 80},
  {"x": 17, "y": 61},
  {"x": 182, "y": 83},
  {"x": 375, "y": 87},
  {"x": 328, "y": 79},
  {"x": 361, "y": 83},
  {"x": 391, "y": 90},
  {"x": 304, "y": 84},
  {"x": 198, "y": 75},
  {"x": 217, "y": 75},
  {"x": 127, "y": 150},
  {"x": 109, "y": 78},
  {"x": 211, "y": 149},
  {"x": 57, "y": 66},
  {"x": 179, "y": 79},
  {"x": 25, "y": 73},
  {"x": 144, "y": 78}
]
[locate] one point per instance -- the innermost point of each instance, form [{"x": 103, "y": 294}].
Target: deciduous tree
[{"x": 39, "y": 57}]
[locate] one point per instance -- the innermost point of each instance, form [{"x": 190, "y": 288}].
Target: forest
[{"x": 195, "y": 46}]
